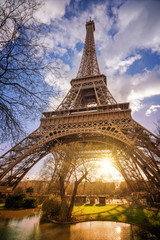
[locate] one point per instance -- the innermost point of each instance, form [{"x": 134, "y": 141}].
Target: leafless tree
[
  {"x": 24, "y": 64},
  {"x": 68, "y": 164}
]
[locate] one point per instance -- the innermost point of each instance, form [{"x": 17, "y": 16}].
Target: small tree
[
  {"x": 52, "y": 207},
  {"x": 29, "y": 190},
  {"x": 68, "y": 164}
]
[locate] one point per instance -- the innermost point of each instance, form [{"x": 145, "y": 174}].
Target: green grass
[
  {"x": 148, "y": 219},
  {"x": 2, "y": 206}
]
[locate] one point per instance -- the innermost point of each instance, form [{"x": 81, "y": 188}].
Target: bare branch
[{"x": 23, "y": 67}]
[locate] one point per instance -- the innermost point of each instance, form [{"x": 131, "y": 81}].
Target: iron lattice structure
[
  {"x": 89, "y": 64},
  {"x": 89, "y": 113}
]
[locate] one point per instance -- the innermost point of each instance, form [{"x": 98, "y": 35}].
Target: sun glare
[{"x": 108, "y": 171}]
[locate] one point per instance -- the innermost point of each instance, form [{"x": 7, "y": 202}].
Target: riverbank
[
  {"x": 146, "y": 218},
  {"x": 17, "y": 214}
]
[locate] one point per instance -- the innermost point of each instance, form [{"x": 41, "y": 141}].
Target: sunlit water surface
[{"x": 30, "y": 228}]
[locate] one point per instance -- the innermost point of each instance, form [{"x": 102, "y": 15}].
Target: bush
[
  {"x": 19, "y": 201},
  {"x": 29, "y": 190},
  {"x": 14, "y": 201},
  {"x": 52, "y": 206},
  {"x": 29, "y": 203}
]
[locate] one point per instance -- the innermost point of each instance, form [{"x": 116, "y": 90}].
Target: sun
[{"x": 106, "y": 170}]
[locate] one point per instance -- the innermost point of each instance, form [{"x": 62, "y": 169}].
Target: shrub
[
  {"x": 19, "y": 201},
  {"x": 29, "y": 203},
  {"x": 52, "y": 206},
  {"x": 14, "y": 201},
  {"x": 29, "y": 190}
]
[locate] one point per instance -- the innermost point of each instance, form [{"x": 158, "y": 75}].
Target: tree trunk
[
  {"x": 64, "y": 208},
  {"x": 51, "y": 181},
  {"x": 72, "y": 200},
  {"x": 70, "y": 209},
  {"x": 66, "y": 212}
]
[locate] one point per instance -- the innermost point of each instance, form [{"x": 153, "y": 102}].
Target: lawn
[
  {"x": 2, "y": 206},
  {"x": 148, "y": 219}
]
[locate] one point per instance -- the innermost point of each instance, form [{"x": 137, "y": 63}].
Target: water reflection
[
  {"x": 17, "y": 229},
  {"x": 30, "y": 228}
]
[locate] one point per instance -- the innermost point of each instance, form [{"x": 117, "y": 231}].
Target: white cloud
[
  {"x": 129, "y": 12},
  {"x": 135, "y": 89},
  {"x": 137, "y": 28},
  {"x": 152, "y": 108},
  {"x": 142, "y": 29},
  {"x": 50, "y": 10},
  {"x": 116, "y": 65}
]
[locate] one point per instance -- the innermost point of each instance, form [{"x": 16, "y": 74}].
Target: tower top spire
[{"x": 89, "y": 64}]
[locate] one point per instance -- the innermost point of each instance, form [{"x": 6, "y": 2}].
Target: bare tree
[
  {"x": 24, "y": 63},
  {"x": 68, "y": 165}
]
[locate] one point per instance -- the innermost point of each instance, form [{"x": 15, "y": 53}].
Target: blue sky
[{"x": 127, "y": 41}]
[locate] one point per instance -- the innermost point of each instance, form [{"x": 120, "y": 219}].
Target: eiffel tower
[{"x": 89, "y": 113}]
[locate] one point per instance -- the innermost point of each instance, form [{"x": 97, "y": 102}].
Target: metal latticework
[
  {"x": 87, "y": 92},
  {"x": 89, "y": 113},
  {"x": 89, "y": 65}
]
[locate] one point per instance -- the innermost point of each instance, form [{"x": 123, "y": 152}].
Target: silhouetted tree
[{"x": 24, "y": 65}]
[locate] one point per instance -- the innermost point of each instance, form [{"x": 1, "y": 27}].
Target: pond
[{"x": 31, "y": 228}]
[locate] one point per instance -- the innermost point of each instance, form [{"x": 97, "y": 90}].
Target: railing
[{"x": 111, "y": 107}]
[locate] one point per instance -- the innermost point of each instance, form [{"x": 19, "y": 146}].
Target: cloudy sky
[{"x": 127, "y": 40}]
